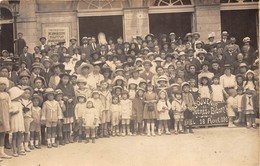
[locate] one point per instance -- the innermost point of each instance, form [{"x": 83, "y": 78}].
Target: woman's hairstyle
[{"x": 208, "y": 83}]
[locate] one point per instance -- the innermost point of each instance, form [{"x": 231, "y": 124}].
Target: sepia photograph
[{"x": 129, "y": 83}]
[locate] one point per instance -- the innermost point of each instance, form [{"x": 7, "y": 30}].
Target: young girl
[
  {"x": 5, "y": 106},
  {"x": 132, "y": 86},
  {"x": 240, "y": 117},
  {"x": 106, "y": 99},
  {"x": 138, "y": 108},
  {"x": 250, "y": 82},
  {"x": 79, "y": 115},
  {"x": 116, "y": 112},
  {"x": 59, "y": 99},
  {"x": 51, "y": 116},
  {"x": 205, "y": 89},
  {"x": 189, "y": 103},
  {"x": 99, "y": 108},
  {"x": 247, "y": 106},
  {"x": 231, "y": 106},
  {"x": 83, "y": 88},
  {"x": 163, "y": 107},
  {"x": 90, "y": 120},
  {"x": 69, "y": 101},
  {"x": 217, "y": 90},
  {"x": 35, "y": 126},
  {"x": 27, "y": 113},
  {"x": 178, "y": 108},
  {"x": 126, "y": 106},
  {"x": 194, "y": 89},
  {"x": 150, "y": 109}
]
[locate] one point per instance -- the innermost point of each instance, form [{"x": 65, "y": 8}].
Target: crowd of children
[{"x": 147, "y": 87}]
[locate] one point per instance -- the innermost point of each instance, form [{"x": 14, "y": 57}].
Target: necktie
[{"x": 249, "y": 100}]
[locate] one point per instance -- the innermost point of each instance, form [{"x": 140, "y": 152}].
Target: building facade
[{"x": 62, "y": 19}]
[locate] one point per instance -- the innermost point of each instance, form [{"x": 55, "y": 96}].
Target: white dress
[
  {"x": 89, "y": 117},
  {"x": 163, "y": 113},
  {"x": 17, "y": 120},
  {"x": 204, "y": 92},
  {"x": 126, "y": 108},
  {"x": 217, "y": 93}
]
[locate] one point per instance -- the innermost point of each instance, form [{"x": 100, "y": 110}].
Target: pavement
[{"x": 218, "y": 146}]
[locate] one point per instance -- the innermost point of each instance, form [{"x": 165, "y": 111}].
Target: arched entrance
[{"x": 6, "y": 30}]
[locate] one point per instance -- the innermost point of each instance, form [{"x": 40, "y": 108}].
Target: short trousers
[
  {"x": 51, "y": 124},
  {"x": 125, "y": 121},
  {"x": 35, "y": 127}
]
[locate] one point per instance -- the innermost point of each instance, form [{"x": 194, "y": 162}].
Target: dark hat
[
  {"x": 61, "y": 42},
  {"x": 205, "y": 63},
  {"x": 192, "y": 64},
  {"x": 130, "y": 50},
  {"x": 64, "y": 74},
  {"x": 60, "y": 65},
  {"x": 42, "y": 38},
  {"x": 148, "y": 62},
  {"x": 163, "y": 36},
  {"x": 150, "y": 34},
  {"x": 214, "y": 61},
  {"x": 127, "y": 64},
  {"x": 25, "y": 74},
  {"x": 37, "y": 65},
  {"x": 73, "y": 38},
  {"x": 228, "y": 66},
  {"x": 95, "y": 53},
  {"x": 169, "y": 55},
  {"x": 36, "y": 96}
]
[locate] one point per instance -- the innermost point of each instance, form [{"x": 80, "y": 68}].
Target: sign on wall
[
  {"x": 55, "y": 35},
  {"x": 208, "y": 113}
]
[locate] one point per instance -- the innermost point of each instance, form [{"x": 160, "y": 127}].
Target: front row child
[
  {"x": 178, "y": 108},
  {"x": 35, "y": 126},
  {"x": 126, "y": 106},
  {"x": 138, "y": 108},
  {"x": 189, "y": 102},
  {"x": 163, "y": 107},
  {"x": 231, "y": 107},
  {"x": 116, "y": 110},
  {"x": 16, "y": 121},
  {"x": 248, "y": 104},
  {"x": 51, "y": 116},
  {"x": 79, "y": 115},
  {"x": 90, "y": 120}
]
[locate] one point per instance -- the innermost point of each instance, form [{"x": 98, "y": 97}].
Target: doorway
[
  {"x": 112, "y": 26},
  {"x": 6, "y": 30},
  {"x": 179, "y": 23},
  {"x": 241, "y": 23}
]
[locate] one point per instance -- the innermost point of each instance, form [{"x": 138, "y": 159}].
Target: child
[
  {"x": 178, "y": 107},
  {"x": 35, "y": 126},
  {"x": 150, "y": 109},
  {"x": 163, "y": 107},
  {"x": 231, "y": 106},
  {"x": 189, "y": 103},
  {"x": 241, "y": 117},
  {"x": 27, "y": 113},
  {"x": 90, "y": 120},
  {"x": 79, "y": 115},
  {"x": 106, "y": 98},
  {"x": 51, "y": 116},
  {"x": 217, "y": 90},
  {"x": 138, "y": 108},
  {"x": 132, "y": 86},
  {"x": 239, "y": 80},
  {"x": 194, "y": 89},
  {"x": 83, "y": 88},
  {"x": 247, "y": 106},
  {"x": 69, "y": 100},
  {"x": 126, "y": 106},
  {"x": 59, "y": 99},
  {"x": 5, "y": 102},
  {"x": 205, "y": 89},
  {"x": 116, "y": 113},
  {"x": 99, "y": 108},
  {"x": 250, "y": 82}
]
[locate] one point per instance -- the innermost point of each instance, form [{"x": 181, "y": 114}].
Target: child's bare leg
[
  {"x": 87, "y": 134},
  {"x": 53, "y": 136},
  {"x": 160, "y": 127},
  {"x": 148, "y": 123},
  {"x": 32, "y": 140},
  {"x": 49, "y": 137},
  {"x": 93, "y": 134},
  {"x": 152, "y": 127},
  {"x": 14, "y": 141}
]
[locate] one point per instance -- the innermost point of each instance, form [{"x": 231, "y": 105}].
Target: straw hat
[
  {"x": 15, "y": 92},
  {"x": 84, "y": 65},
  {"x": 49, "y": 91},
  {"x": 4, "y": 80}
]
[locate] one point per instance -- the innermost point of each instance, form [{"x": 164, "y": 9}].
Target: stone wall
[{"x": 136, "y": 22}]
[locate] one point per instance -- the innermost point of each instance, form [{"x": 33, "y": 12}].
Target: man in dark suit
[
  {"x": 26, "y": 57},
  {"x": 94, "y": 47},
  {"x": 85, "y": 47},
  {"x": 46, "y": 72},
  {"x": 43, "y": 44},
  {"x": 73, "y": 45},
  {"x": 20, "y": 43},
  {"x": 12, "y": 74},
  {"x": 224, "y": 39}
]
